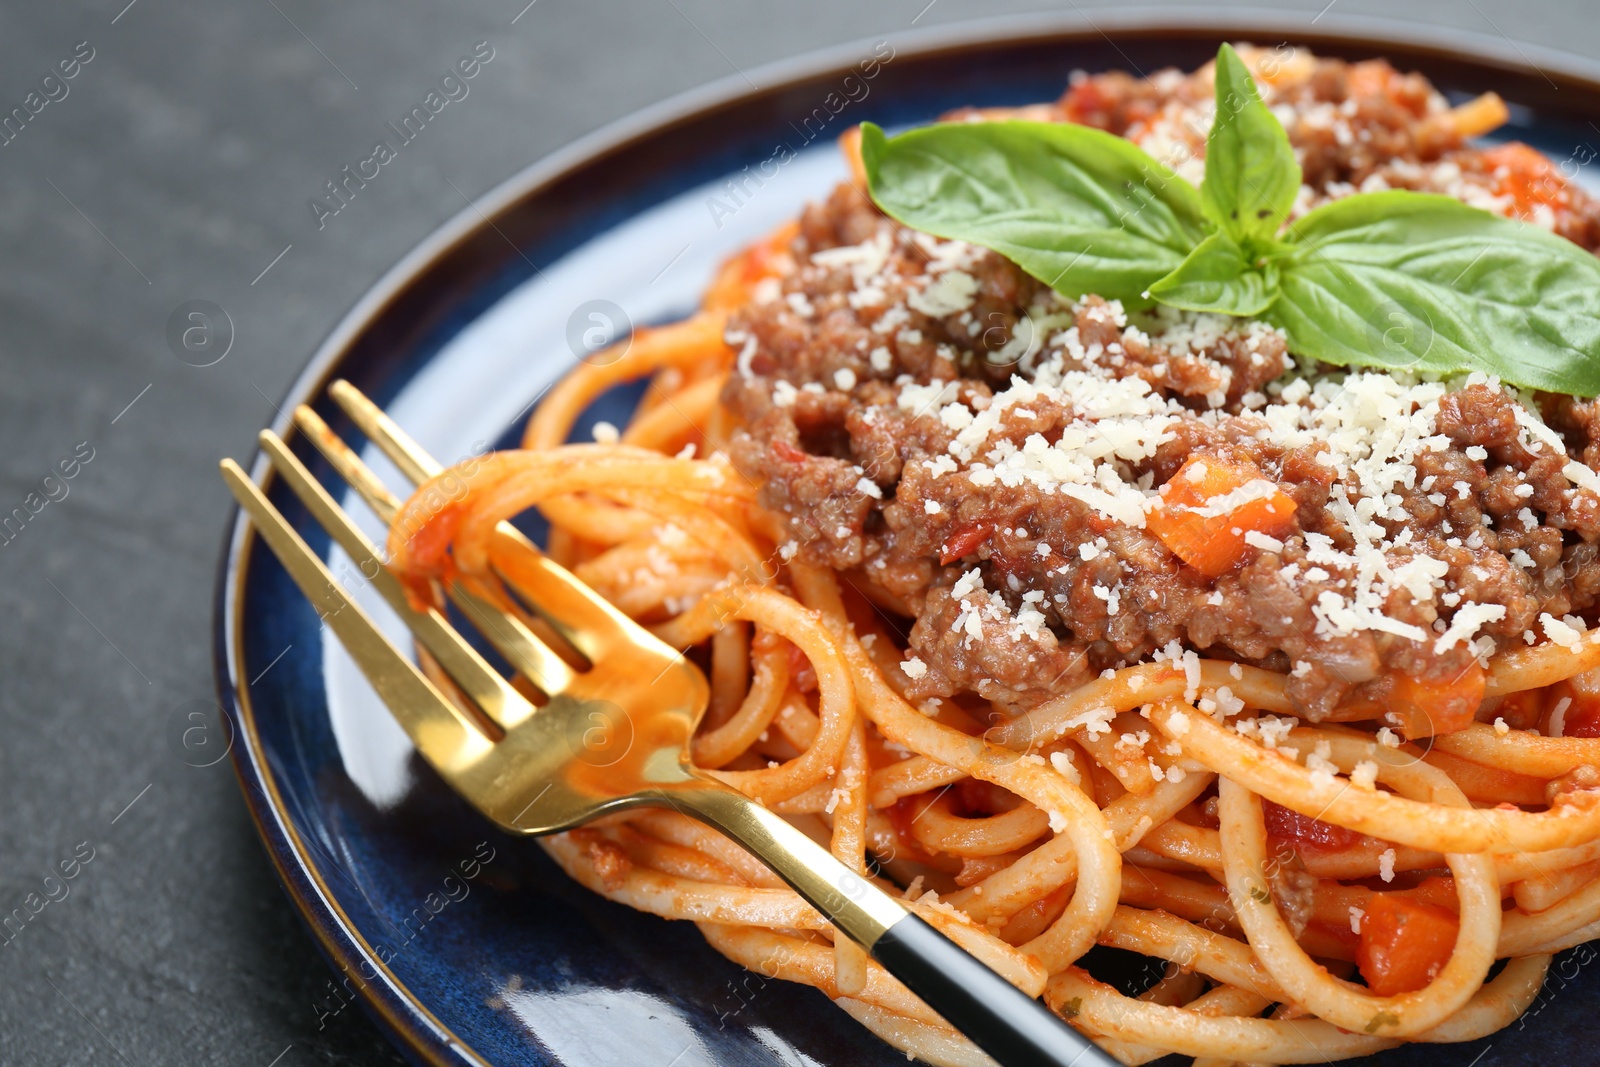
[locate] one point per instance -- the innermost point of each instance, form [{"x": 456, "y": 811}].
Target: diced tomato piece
[
  {"x": 784, "y": 452},
  {"x": 1404, "y": 944},
  {"x": 1431, "y": 708},
  {"x": 963, "y": 542},
  {"x": 1211, "y": 504},
  {"x": 1580, "y": 714},
  {"x": 1585, "y": 724},
  {"x": 1087, "y": 103},
  {"x": 1527, "y": 176},
  {"x": 738, "y": 275},
  {"x": 1286, "y": 824}
]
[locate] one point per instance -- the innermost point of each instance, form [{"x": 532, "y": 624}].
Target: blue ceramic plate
[{"x": 469, "y": 946}]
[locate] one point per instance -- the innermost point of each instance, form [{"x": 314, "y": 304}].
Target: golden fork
[{"x": 611, "y": 737}]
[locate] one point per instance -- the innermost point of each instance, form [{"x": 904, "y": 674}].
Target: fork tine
[
  {"x": 343, "y": 458},
  {"x": 491, "y": 692},
  {"x": 444, "y": 735},
  {"x": 522, "y": 647},
  {"x": 576, "y": 612},
  {"x": 413, "y": 461}
]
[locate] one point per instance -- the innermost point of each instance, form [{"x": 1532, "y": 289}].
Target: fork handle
[{"x": 1012, "y": 1027}]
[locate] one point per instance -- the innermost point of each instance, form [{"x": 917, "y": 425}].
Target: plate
[{"x": 467, "y": 945}]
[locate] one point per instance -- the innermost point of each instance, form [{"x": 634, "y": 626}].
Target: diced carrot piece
[
  {"x": 1482, "y": 114},
  {"x": 1430, "y": 709},
  {"x": 850, "y": 147},
  {"x": 1404, "y": 944},
  {"x": 1211, "y": 504}
]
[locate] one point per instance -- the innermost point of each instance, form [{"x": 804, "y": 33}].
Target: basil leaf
[
  {"x": 1411, "y": 280},
  {"x": 1082, "y": 210},
  {"x": 1252, "y": 177},
  {"x": 1218, "y": 277}
]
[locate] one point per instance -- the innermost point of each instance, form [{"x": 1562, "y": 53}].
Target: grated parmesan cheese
[
  {"x": 1464, "y": 625},
  {"x": 1560, "y": 631},
  {"x": 1096, "y": 722},
  {"x": 1257, "y": 539},
  {"x": 946, "y": 294},
  {"x": 1558, "y": 717},
  {"x": 1062, "y": 762}
]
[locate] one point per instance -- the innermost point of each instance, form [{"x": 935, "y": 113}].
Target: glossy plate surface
[{"x": 469, "y": 946}]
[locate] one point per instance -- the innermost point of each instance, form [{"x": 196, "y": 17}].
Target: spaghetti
[{"x": 1324, "y": 782}]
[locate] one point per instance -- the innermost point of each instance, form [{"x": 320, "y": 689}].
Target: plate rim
[{"x": 403, "y": 1016}]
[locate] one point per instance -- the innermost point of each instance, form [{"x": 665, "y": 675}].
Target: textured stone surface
[{"x": 176, "y": 168}]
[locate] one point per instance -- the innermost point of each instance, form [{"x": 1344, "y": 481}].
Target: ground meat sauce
[
  {"x": 978, "y": 455},
  {"x": 1356, "y": 127}
]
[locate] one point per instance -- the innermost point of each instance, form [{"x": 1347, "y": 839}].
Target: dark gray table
[{"x": 176, "y": 165}]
